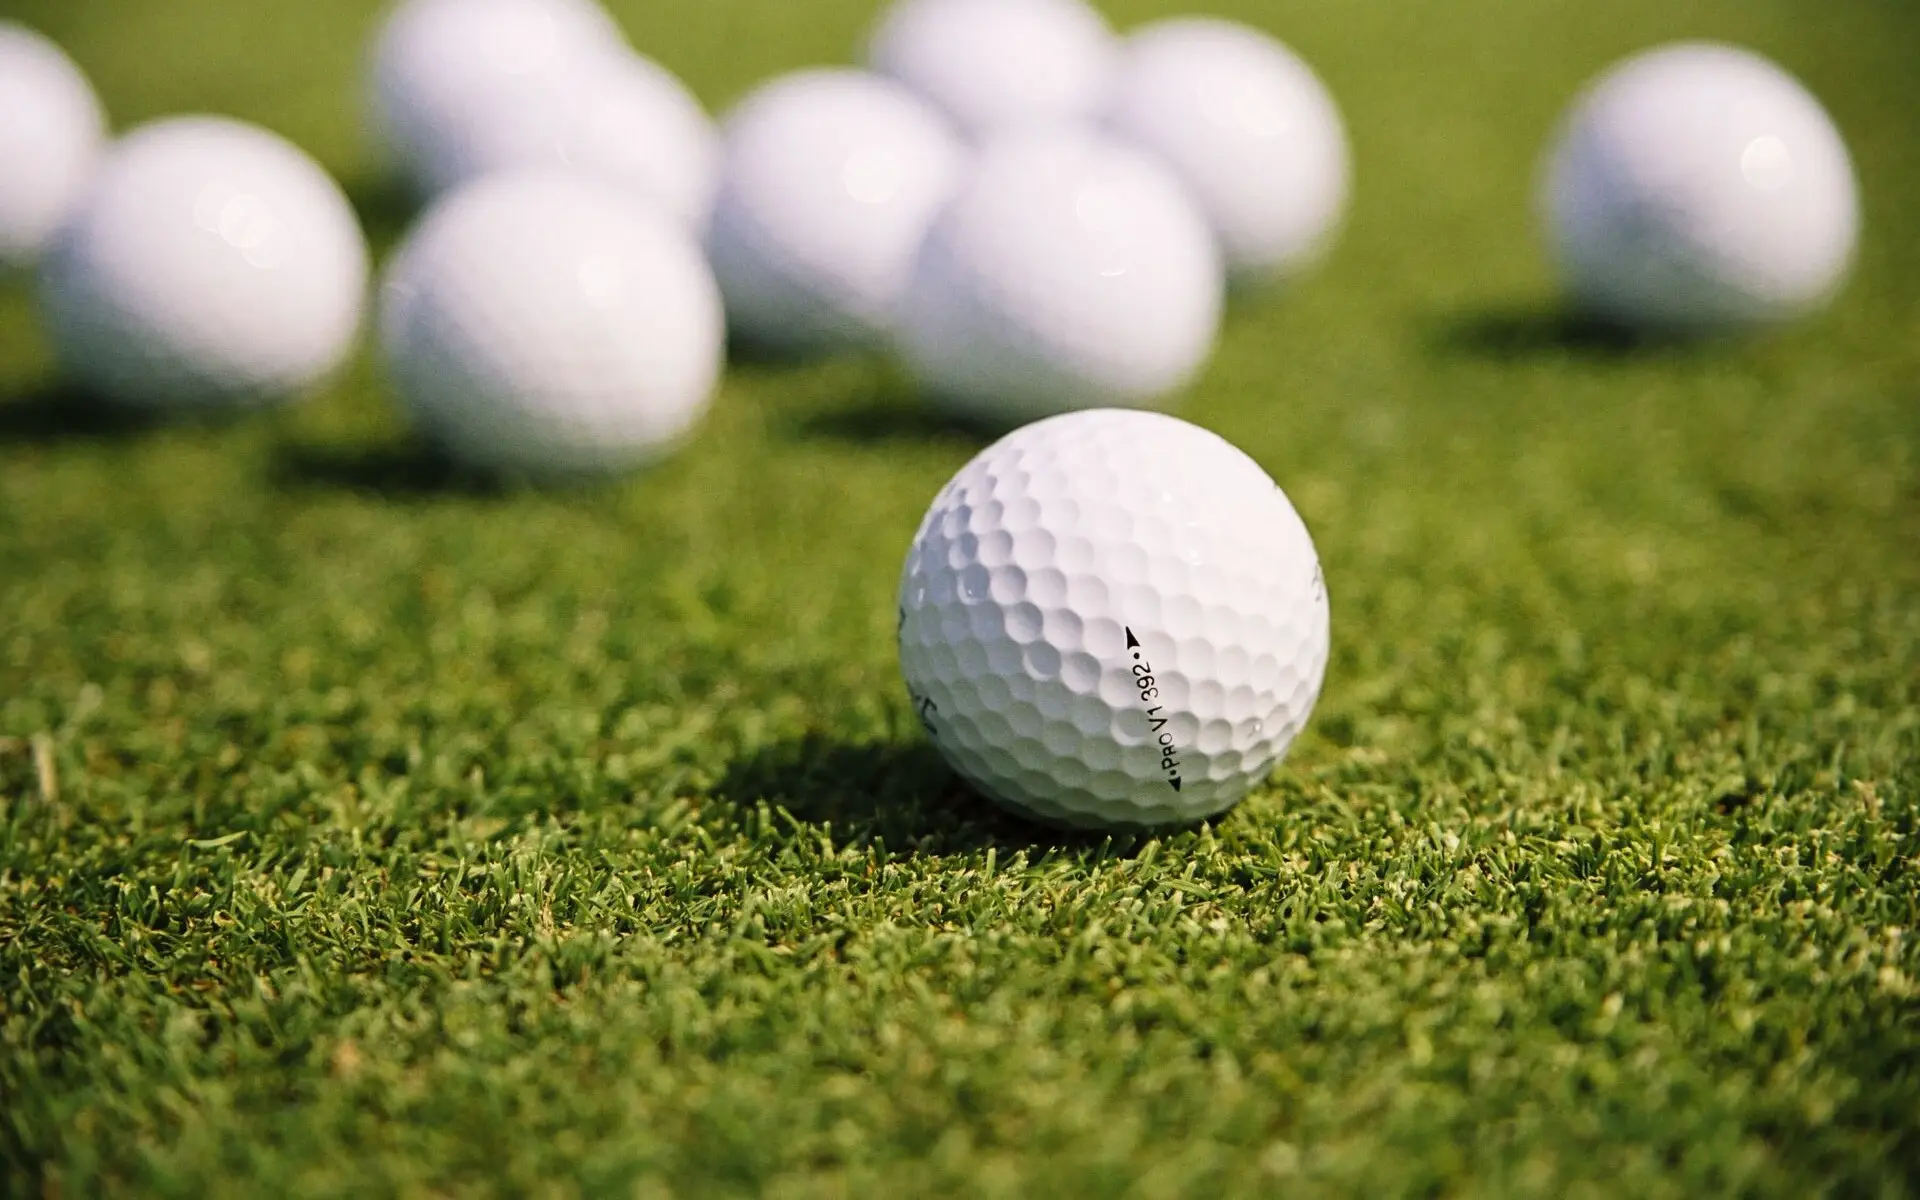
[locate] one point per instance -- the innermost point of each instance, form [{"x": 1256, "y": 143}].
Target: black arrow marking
[{"x": 1133, "y": 643}]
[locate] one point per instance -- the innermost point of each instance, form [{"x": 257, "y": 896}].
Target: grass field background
[{"x": 365, "y": 831}]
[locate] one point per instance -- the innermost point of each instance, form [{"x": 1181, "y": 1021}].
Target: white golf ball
[
  {"x": 1069, "y": 271},
  {"x": 1113, "y": 619},
  {"x": 1251, "y": 131},
  {"x": 621, "y": 118},
  {"x": 52, "y": 131},
  {"x": 1698, "y": 187},
  {"x": 990, "y": 64},
  {"x": 544, "y": 323},
  {"x": 436, "y": 61},
  {"x": 209, "y": 264},
  {"x": 830, "y": 180}
]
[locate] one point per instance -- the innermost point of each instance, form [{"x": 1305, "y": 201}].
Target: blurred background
[
  {"x": 1580, "y": 589},
  {"x": 1449, "y": 105}
]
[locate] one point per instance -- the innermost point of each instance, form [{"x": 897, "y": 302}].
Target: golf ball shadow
[
  {"x": 391, "y": 471},
  {"x": 899, "y": 793},
  {"x": 61, "y": 412},
  {"x": 1521, "y": 332}
]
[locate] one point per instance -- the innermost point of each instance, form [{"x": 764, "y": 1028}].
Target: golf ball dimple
[
  {"x": 1113, "y": 619},
  {"x": 990, "y": 64},
  {"x": 620, "y": 118},
  {"x": 830, "y": 180},
  {"x": 1249, "y": 129},
  {"x": 52, "y": 133},
  {"x": 1699, "y": 187},
  {"x": 209, "y": 264},
  {"x": 436, "y": 63},
  {"x": 543, "y": 323},
  {"x": 1069, "y": 271}
]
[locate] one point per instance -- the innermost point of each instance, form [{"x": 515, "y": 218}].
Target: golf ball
[
  {"x": 1069, "y": 271},
  {"x": 1699, "y": 187},
  {"x": 1113, "y": 619},
  {"x": 829, "y": 183},
  {"x": 618, "y": 117},
  {"x": 52, "y": 131},
  {"x": 542, "y": 323},
  {"x": 1251, "y": 131},
  {"x": 435, "y": 62},
  {"x": 209, "y": 264},
  {"x": 993, "y": 63}
]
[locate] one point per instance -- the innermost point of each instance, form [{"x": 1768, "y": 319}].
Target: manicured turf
[{"x": 366, "y": 831}]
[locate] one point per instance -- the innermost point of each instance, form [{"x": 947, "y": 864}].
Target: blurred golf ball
[
  {"x": 990, "y": 64},
  {"x": 1113, "y": 620},
  {"x": 1698, "y": 187},
  {"x": 1249, "y": 129},
  {"x": 1069, "y": 271},
  {"x": 618, "y": 117},
  {"x": 543, "y": 323},
  {"x": 209, "y": 264},
  {"x": 52, "y": 132},
  {"x": 435, "y": 63},
  {"x": 830, "y": 180}
]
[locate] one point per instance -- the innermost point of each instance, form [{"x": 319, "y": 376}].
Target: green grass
[{"x": 364, "y": 833}]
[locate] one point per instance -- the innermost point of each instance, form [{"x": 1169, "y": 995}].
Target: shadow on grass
[
  {"x": 756, "y": 355},
  {"x": 394, "y": 471},
  {"x": 386, "y": 207},
  {"x": 903, "y": 797},
  {"x": 59, "y": 413},
  {"x": 881, "y": 420},
  {"x": 874, "y": 401},
  {"x": 1512, "y": 334},
  {"x": 894, "y": 411}
]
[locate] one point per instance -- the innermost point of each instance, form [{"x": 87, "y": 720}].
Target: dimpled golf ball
[
  {"x": 209, "y": 264},
  {"x": 1069, "y": 271},
  {"x": 990, "y": 64},
  {"x": 829, "y": 183},
  {"x": 544, "y": 324},
  {"x": 1251, "y": 131},
  {"x": 52, "y": 131},
  {"x": 621, "y": 118},
  {"x": 1113, "y": 619},
  {"x": 1697, "y": 188},
  {"x": 435, "y": 62}
]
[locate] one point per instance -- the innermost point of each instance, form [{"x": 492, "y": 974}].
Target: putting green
[{"x": 362, "y": 831}]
